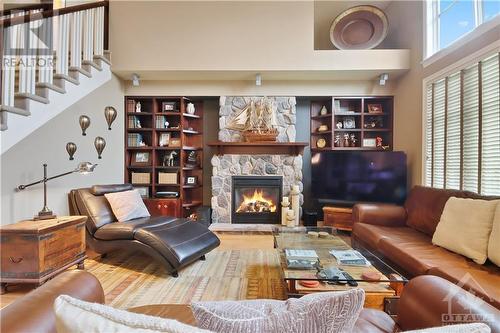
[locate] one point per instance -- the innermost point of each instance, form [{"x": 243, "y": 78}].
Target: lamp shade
[
  {"x": 71, "y": 149},
  {"x": 110, "y": 115},
  {"x": 99, "y": 144},
  {"x": 84, "y": 123},
  {"x": 85, "y": 167}
]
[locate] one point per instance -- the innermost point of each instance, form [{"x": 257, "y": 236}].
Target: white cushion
[
  {"x": 494, "y": 243},
  {"x": 127, "y": 205},
  {"x": 325, "y": 312},
  {"x": 76, "y": 316},
  {"x": 465, "y": 227},
  {"x": 461, "y": 328}
]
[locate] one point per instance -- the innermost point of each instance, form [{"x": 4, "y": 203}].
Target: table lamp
[{"x": 45, "y": 214}]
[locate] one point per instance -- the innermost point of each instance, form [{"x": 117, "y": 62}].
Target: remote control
[{"x": 350, "y": 279}]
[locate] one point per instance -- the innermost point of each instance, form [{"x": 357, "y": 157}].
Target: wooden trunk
[
  {"x": 34, "y": 251},
  {"x": 338, "y": 217}
]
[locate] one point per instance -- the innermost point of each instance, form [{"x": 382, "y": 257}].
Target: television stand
[{"x": 338, "y": 217}]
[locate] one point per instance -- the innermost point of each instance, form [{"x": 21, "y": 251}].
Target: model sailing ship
[{"x": 256, "y": 120}]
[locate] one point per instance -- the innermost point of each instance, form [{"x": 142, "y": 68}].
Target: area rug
[{"x": 131, "y": 280}]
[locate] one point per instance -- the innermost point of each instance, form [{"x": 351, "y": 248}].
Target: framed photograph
[
  {"x": 191, "y": 180},
  {"x": 369, "y": 142},
  {"x": 168, "y": 107},
  {"x": 143, "y": 191},
  {"x": 164, "y": 139},
  {"x": 375, "y": 108},
  {"x": 141, "y": 158},
  {"x": 349, "y": 122},
  {"x": 174, "y": 142}
]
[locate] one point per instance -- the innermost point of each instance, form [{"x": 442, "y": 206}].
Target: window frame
[
  {"x": 450, "y": 70},
  {"x": 432, "y": 52}
]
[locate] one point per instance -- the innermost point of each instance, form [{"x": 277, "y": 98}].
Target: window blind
[{"x": 462, "y": 129}]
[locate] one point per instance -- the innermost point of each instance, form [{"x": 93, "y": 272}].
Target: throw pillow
[
  {"x": 127, "y": 205},
  {"x": 327, "y": 312},
  {"x": 73, "y": 315},
  {"x": 465, "y": 227},
  {"x": 494, "y": 243},
  {"x": 461, "y": 328}
]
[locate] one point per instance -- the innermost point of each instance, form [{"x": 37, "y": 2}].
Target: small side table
[
  {"x": 338, "y": 217},
  {"x": 35, "y": 251}
]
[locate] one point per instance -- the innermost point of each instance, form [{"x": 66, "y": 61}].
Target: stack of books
[
  {"x": 160, "y": 121},
  {"x": 301, "y": 259},
  {"x": 350, "y": 258},
  {"x": 133, "y": 122},
  {"x": 134, "y": 140}
]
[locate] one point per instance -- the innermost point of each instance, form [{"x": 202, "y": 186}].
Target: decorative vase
[
  {"x": 284, "y": 210},
  {"x": 190, "y": 109},
  {"x": 294, "y": 198},
  {"x": 99, "y": 144},
  {"x": 71, "y": 149},
  {"x": 110, "y": 115},
  {"x": 84, "y": 123}
]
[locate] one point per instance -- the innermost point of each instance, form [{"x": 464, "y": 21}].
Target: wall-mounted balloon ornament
[
  {"x": 71, "y": 149},
  {"x": 110, "y": 115},
  {"x": 84, "y": 123},
  {"x": 99, "y": 144}
]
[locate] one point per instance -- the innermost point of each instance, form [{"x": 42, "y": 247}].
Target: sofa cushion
[
  {"x": 180, "y": 241},
  {"x": 371, "y": 235},
  {"x": 327, "y": 312},
  {"x": 127, "y": 205},
  {"x": 74, "y": 315},
  {"x": 494, "y": 241},
  {"x": 374, "y": 321},
  {"x": 424, "y": 206},
  {"x": 465, "y": 227},
  {"x": 126, "y": 230},
  {"x": 481, "y": 280}
]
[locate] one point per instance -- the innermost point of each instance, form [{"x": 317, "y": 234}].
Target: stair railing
[{"x": 40, "y": 44}]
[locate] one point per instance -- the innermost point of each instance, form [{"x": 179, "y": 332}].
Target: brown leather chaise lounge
[
  {"x": 423, "y": 304},
  {"x": 174, "y": 242},
  {"x": 403, "y": 236}
]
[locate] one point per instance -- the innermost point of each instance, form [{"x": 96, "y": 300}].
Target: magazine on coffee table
[
  {"x": 350, "y": 258},
  {"x": 301, "y": 259}
]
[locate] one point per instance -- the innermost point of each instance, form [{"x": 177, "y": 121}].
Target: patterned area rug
[{"x": 135, "y": 280}]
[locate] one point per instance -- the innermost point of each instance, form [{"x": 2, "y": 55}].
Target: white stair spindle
[
  {"x": 88, "y": 40},
  {"x": 8, "y": 70},
  {"x": 76, "y": 40},
  {"x": 99, "y": 31},
  {"x": 45, "y": 57}
]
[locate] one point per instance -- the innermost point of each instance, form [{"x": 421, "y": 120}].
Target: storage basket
[
  {"x": 141, "y": 178},
  {"x": 167, "y": 178}
]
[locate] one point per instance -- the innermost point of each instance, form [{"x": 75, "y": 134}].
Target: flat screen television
[{"x": 345, "y": 178}]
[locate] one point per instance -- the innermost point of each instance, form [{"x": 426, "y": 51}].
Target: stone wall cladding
[{"x": 226, "y": 166}]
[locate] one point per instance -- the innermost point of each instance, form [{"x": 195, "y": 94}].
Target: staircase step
[
  {"x": 91, "y": 63},
  {"x": 73, "y": 72},
  {"x": 42, "y": 87},
  {"x": 21, "y": 100},
  {"x": 101, "y": 58},
  {"x": 65, "y": 78},
  {"x": 13, "y": 109}
]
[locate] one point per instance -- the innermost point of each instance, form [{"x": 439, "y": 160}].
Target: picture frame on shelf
[
  {"x": 369, "y": 142},
  {"x": 141, "y": 158},
  {"x": 164, "y": 139},
  {"x": 375, "y": 108},
  {"x": 174, "y": 142},
  {"x": 143, "y": 191},
  {"x": 349, "y": 122},
  {"x": 168, "y": 107},
  {"x": 191, "y": 180}
]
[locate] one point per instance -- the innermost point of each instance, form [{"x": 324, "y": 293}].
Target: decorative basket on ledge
[{"x": 255, "y": 136}]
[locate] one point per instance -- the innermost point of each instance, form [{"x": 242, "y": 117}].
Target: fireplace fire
[{"x": 256, "y": 199}]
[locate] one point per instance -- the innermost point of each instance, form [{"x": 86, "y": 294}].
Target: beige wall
[{"x": 23, "y": 163}]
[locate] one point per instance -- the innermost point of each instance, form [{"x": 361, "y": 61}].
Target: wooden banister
[
  {"x": 51, "y": 13},
  {"x": 42, "y": 6}
]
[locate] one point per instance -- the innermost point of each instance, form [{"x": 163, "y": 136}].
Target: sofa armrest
[
  {"x": 379, "y": 214},
  {"x": 429, "y": 301},
  {"x": 34, "y": 312}
]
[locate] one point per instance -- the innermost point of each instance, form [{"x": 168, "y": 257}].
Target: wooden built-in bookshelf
[
  {"x": 357, "y": 114},
  {"x": 184, "y": 133}
]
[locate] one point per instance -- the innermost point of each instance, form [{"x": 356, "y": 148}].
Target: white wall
[{"x": 23, "y": 163}]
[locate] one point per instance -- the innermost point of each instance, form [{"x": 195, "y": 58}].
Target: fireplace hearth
[{"x": 256, "y": 199}]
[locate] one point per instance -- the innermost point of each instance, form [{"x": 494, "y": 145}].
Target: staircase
[{"x": 50, "y": 59}]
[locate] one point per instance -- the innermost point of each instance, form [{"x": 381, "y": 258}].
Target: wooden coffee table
[{"x": 388, "y": 287}]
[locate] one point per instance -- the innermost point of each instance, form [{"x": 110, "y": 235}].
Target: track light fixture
[
  {"x": 135, "y": 80},
  {"x": 258, "y": 79},
  {"x": 382, "y": 78}
]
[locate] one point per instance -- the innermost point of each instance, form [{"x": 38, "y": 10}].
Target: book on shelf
[
  {"x": 134, "y": 122},
  {"x": 160, "y": 122},
  {"x": 350, "y": 258},
  {"x": 135, "y": 140}
]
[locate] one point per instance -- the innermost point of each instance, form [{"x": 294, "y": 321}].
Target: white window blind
[{"x": 462, "y": 129}]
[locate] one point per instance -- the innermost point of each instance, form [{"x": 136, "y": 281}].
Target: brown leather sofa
[
  {"x": 403, "y": 236},
  {"x": 423, "y": 304},
  {"x": 172, "y": 241}
]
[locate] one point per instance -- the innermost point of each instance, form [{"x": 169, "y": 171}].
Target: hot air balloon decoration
[
  {"x": 84, "y": 123},
  {"x": 110, "y": 115},
  {"x": 71, "y": 149},
  {"x": 99, "y": 144}
]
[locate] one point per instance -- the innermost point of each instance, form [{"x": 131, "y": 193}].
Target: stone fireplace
[{"x": 285, "y": 169}]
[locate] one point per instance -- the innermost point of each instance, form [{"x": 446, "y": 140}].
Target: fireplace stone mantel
[{"x": 271, "y": 148}]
